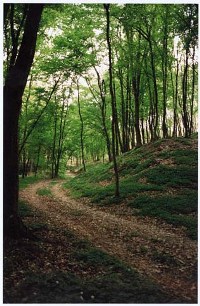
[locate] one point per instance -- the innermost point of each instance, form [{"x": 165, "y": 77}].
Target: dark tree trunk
[
  {"x": 63, "y": 116},
  {"x": 53, "y": 164},
  {"x": 192, "y": 95},
  {"x": 130, "y": 131},
  {"x": 175, "y": 123},
  {"x": 184, "y": 95},
  {"x": 13, "y": 91},
  {"x": 165, "y": 72},
  {"x": 155, "y": 89},
  {"x": 82, "y": 128},
  {"x": 37, "y": 161},
  {"x": 123, "y": 114},
  {"x": 113, "y": 104},
  {"x": 102, "y": 90},
  {"x": 137, "y": 111},
  {"x": 117, "y": 130}
]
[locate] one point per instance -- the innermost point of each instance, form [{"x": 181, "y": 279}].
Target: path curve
[{"x": 157, "y": 250}]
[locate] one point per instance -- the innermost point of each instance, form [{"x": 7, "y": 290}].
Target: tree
[
  {"x": 113, "y": 102},
  {"x": 15, "y": 83}
]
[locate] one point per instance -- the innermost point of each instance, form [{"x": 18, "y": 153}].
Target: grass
[
  {"x": 181, "y": 157},
  {"x": 44, "y": 192},
  {"x": 25, "y": 182},
  {"x": 176, "y": 209},
  {"x": 165, "y": 258},
  {"x": 24, "y": 209},
  {"x": 97, "y": 257},
  {"x": 177, "y": 176}
]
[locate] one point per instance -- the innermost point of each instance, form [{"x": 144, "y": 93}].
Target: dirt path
[{"x": 159, "y": 251}]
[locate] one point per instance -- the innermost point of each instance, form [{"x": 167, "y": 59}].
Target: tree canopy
[{"x": 105, "y": 79}]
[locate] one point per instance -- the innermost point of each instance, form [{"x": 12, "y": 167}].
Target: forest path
[{"x": 156, "y": 250}]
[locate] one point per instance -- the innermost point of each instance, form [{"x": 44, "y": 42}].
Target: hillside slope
[{"x": 159, "y": 180}]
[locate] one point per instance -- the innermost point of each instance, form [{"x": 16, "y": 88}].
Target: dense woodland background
[{"x": 66, "y": 115}]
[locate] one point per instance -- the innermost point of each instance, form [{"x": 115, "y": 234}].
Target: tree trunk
[
  {"x": 107, "y": 6},
  {"x": 53, "y": 164},
  {"x": 81, "y": 135},
  {"x": 13, "y": 91},
  {"x": 192, "y": 94},
  {"x": 175, "y": 120},
  {"x": 63, "y": 117},
  {"x": 123, "y": 114},
  {"x": 102, "y": 90},
  {"x": 37, "y": 162},
  {"x": 155, "y": 89},
  {"x": 184, "y": 95},
  {"x": 165, "y": 72}
]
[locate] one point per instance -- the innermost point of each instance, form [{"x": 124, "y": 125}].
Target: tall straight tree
[
  {"x": 82, "y": 126},
  {"x": 113, "y": 102},
  {"x": 13, "y": 91}
]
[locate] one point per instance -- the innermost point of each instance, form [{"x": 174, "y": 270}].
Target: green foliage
[
  {"x": 163, "y": 257},
  {"x": 185, "y": 157},
  {"x": 38, "y": 226},
  {"x": 24, "y": 209},
  {"x": 182, "y": 176},
  {"x": 175, "y": 209},
  {"x": 97, "y": 258},
  {"x": 44, "y": 192},
  {"x": 25, "y": 182}
]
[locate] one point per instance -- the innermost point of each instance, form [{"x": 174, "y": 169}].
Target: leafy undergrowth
[
  {"x": 159, "y": 180},
  {"x": 26, "y": 181},
  {"x": 44, "y": 192},
  {"x": 58, "y": 267}
]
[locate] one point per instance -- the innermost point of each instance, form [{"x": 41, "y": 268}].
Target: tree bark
[
  {"x": 114, "y": 129},
  {"x": 82, "y": 127},
  {"x": 165, "y": 72},
  {"x": 192, "y": 94},
  {"x": 184, "y": 95},
  {"x": 102, "y": 90},
  {"x": 13, "y": 91}
]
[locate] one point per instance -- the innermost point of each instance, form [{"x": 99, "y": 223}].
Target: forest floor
[{"x": 108, "y": 255}]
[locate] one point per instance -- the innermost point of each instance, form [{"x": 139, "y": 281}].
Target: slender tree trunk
[
  {"x": 164, "y": 72},
  {"x": 123, "y": 115},
  {"x": 117, "y": 129},
  {"x": 53, "y": 163},
  {"x": 192, "y": 95},
  {"x": 107, "y": 6},
  {"x": 184, "y": 95},
  {"x": 24, "y": 163},
  {"x": 102, "y": 90},
  {"x": 38, "y": 159},
  {"x": 13, "y": 91},
  {"x": 82, "y": 128},
  {"x": 129, "y": 117},
  {"x": 175, "y": 125},
  {"x": 61, "y": 134},
  {"x": 155, "y": 89},
  {"x": 137, "y": 111}
]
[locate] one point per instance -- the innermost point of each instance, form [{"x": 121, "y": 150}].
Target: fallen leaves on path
[{"x": 154, "y": 248}]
